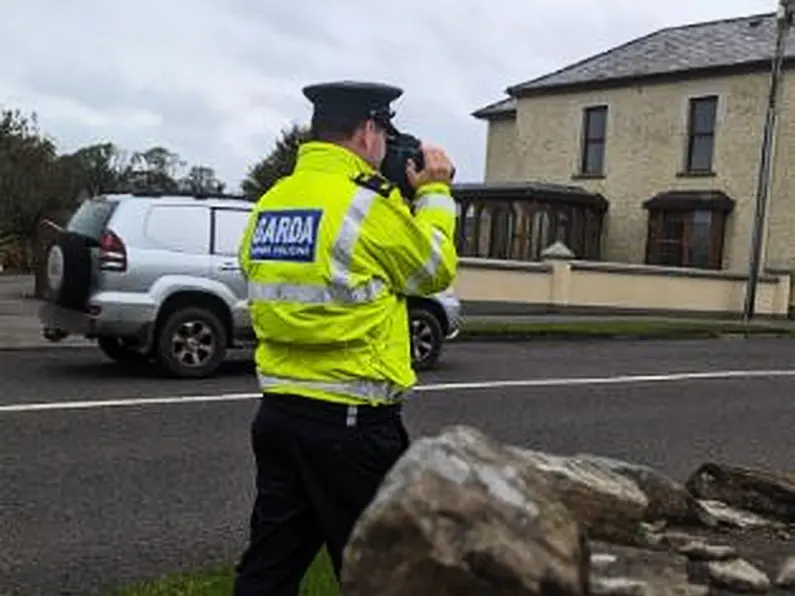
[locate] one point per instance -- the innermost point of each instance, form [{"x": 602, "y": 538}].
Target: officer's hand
[{"x": 438, "y": 168}]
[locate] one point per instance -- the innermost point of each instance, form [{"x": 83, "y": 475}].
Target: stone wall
[{"x": 461, "y": 514}]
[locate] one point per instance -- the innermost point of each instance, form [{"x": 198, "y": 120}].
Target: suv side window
[
  {"x": 181, "y": 228},
  {"x": 229, "y": 225},
  {"x": 91, "y": 217}
]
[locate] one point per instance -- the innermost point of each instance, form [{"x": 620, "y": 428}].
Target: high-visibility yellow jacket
[{"x": 330, "y": 254}]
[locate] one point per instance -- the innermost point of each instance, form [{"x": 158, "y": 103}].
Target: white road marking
[{"x": 439, "y": 387}]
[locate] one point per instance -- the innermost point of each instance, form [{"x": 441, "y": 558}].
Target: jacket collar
[{"x": 320, "y": 156}]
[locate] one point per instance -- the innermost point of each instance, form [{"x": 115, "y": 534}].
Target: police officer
[{"x": 330, "y": 253}]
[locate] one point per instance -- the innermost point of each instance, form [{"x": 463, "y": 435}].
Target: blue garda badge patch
[{"x": 286, "y": 235}]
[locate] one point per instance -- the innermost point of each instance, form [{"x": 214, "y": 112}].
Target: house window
[
  {"x": 701, "y": 134},
  {"x": 541, "y": 229},
  {"x": 685, "y": 238},
  {"x": 483, "y": 232},
  {"x": 465, "y": 229},
  {"x": 519, "y": 221},
  {"x": 503, "y": 232},
  {"x": 593, "y": 147}
]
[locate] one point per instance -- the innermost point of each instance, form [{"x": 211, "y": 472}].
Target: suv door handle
[{"x": 229, "y": 266}]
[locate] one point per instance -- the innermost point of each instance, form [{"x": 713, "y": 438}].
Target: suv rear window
[{"x": 91, "y": 217}]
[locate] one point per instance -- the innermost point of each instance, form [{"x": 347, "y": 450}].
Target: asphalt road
[{"x": 93, "y": 497}]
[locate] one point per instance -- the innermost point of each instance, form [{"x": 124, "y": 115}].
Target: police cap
[{"x": 354, "y": 99}]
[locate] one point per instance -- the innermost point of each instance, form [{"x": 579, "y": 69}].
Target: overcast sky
[{"x": 216, "y": 80}]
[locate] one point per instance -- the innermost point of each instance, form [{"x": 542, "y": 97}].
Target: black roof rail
[
  {"x": 187, "y": 193},
  {"x": 212, "y": 195}
]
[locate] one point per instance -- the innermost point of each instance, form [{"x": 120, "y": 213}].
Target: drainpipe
[{"x": 783, "y": 23}]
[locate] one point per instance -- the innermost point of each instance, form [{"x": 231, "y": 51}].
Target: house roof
[
  {"x": 710, "y": 200},
  {"x": 502, "y": 108},
  {"x": 529, "y": 190},
  {"x": 712, "y": 46}
]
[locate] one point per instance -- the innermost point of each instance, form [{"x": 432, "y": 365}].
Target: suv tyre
[
  {"x": 191, "y": 343},
  {"x": 426, "y": 338}
]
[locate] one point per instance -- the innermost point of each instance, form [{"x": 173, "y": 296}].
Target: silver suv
[{"x": 155, "y": 277}]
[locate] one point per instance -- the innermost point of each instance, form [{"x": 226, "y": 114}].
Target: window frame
[
  {"x": 214, "y": 229},
  {"x": 694, "y": 135},
  {"x": 587, "y": 141},
  {"x": 685, "y": 243},
  {"x": 172, "y": 241}
]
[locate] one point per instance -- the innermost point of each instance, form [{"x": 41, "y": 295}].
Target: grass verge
[
  {"x": 218, "y": 581},
  {"x": 616, "y": 329}
]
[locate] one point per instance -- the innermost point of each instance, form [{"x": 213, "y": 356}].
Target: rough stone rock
[
  {"x": 610, "y": 505},
  {"x": 675, "y": 539},
  {"x": 668, "y": 499},
  {"x": 618, "y": 586},
  {"x": 784, "y": 533},
  {"x": 698, "y": 550},
  {"x": 600, "y": 560},
  {"x": 655, "y": 526},
  {"x": 724, "y": 514},
  {"x": 736, "y": 575},
  {"x": 461, "y": 515},
  {"x": 760, "y": 491},
  {"x": 786, "y": 575},
  {"x": 641, "y": 572}
]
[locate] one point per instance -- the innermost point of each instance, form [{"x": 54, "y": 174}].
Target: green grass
[
  {"x": 616, "y": 329},
  {"x": 319, "y": 581}
]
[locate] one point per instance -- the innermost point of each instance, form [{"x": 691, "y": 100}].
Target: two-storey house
[{"x": 646, "y": 153}]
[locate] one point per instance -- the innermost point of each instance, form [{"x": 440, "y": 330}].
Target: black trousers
[{"x": 318, "y": 467}]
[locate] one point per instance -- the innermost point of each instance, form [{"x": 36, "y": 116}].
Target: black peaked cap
[{"x": 353, "y": 98}]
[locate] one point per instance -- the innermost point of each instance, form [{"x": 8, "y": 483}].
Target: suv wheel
[
  {"x": 191, "y": 343},
  {"x": 426, "y": 338},
  {"x": 120, "y": 351}
]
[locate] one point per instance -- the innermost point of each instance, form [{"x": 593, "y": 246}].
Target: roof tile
[
  {"x": 712, "y": 44},
  {"x": 722, "y": 43}
]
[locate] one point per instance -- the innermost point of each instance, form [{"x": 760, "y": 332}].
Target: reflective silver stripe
[
  {"x": 363, "y": 388},
  {"x": 315, "y": 294},
  {"x": 342, "y": 251},
  {"x": 437, "y": 201},
  {"x": 341, "y": 255},
  {"x": 431, "y": 267},
  {"x": 350, "y": 419}
]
